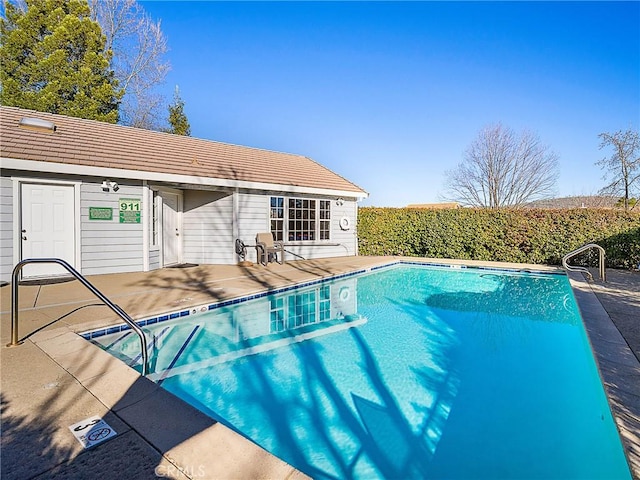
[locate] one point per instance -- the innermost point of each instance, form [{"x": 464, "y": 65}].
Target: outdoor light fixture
[
  {"x": 108, "y": 184},
  {"x": 37, "y": 125},
  {"x": 340, "y": 201}
]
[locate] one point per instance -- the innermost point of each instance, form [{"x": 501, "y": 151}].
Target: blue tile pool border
[{"x": 100, "y": 332}]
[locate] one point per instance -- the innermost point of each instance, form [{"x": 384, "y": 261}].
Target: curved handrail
[
  {"x": 121, "y": 313},
  {"x": 584, "y": 248}
]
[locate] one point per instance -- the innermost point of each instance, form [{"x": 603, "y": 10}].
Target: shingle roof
[{"x": 83, "y": 142}]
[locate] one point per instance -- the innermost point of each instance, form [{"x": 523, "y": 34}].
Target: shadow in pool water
[
  {"x": 513, "y": 296},
  {"x": 293, "y": 404}
]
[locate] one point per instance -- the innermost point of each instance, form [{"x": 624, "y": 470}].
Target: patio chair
[{"x": 267, "y": 249}]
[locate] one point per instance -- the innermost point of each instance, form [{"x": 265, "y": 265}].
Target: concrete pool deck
[{"x": 55, "y": 378}]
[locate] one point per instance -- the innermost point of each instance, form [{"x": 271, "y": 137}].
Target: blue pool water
[{"x": 405, "y": 372}]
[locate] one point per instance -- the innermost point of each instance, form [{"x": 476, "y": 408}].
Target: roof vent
[{"x": 37, "y": 124}]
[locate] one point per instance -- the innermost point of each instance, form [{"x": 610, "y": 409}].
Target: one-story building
[{"x": 109, "y": 199}]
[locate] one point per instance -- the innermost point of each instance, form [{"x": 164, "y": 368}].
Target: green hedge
[{"x": 525, "y": 236}]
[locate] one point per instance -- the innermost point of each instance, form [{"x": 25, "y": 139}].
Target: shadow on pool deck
[{"x": 55, "y": 378}]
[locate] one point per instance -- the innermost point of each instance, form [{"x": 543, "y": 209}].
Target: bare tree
[
  {"x": 138, "y": 46},
  {"x": 623, "y": 166},
  {"x": 503, "y": 169}
]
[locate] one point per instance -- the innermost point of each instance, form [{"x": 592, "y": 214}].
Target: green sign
[
  {"x": 129, "y": 210},
  {"x": 100, "y": 213}
]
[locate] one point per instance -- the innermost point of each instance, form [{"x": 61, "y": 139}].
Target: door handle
[
  {"x": 24, "y": 237},
  {"x": 177, "y": 233}
]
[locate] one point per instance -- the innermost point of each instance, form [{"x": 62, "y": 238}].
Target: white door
[
  {"x": 171, "y": 228},
  {"x": 47, "y": 227}
]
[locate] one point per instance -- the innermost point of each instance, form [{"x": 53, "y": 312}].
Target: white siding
[
  {"x": 207, "y": 226},
  {"x": 6, "y": 229},
  {"x": 154, "y": 259},
  {"x": 108, "y": 246},
  {"x": 253, "y": 217}
]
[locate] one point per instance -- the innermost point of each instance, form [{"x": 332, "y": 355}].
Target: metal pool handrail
[
  {"x": 121, "y": 313},
  {"x": 583, "y": 269}
]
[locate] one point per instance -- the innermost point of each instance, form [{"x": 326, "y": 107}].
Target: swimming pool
[{"x": 404, "y": 372}]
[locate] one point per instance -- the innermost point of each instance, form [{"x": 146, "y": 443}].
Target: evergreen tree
[
  {"x": 179, "y": 124},
  {"x": 53, "y": 60}
]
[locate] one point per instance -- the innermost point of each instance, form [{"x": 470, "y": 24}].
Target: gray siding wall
[
  {"x": 209, "y": 232},
  {"x": 154, "y": 259},
  {"x": 108, "y": 246},
  {"x": 252, "y": 218},
  {"x": 207, "y": 226},
  {"x": 6, "y": 229}
]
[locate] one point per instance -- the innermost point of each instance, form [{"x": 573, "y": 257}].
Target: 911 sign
[{"x": 129, "y": 210}]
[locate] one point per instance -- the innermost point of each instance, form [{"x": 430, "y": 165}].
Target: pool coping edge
[
  {"x": 592, "y": 312},
  {"x": 606, "y": 343}
]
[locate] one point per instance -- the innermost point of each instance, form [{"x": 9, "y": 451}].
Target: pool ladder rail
[
  {"x": 580, "y": 250},
  {"x": 121, "y": 313}
]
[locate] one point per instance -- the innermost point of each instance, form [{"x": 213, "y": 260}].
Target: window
[
  {"x": 325, "y": 303},
  {"x": 300, "y": 309},
  {"x": 277, "y": 218},
  {"x": 325, "y": 219},
  {"x": 154, "y": 218},
  {"x": 306, "y": 219},
  {"x": 302, "y": 219},
  {"x": 277, "y": 315}
]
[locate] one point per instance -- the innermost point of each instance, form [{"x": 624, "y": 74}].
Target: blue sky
[{"x": 391, "y": 94}]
